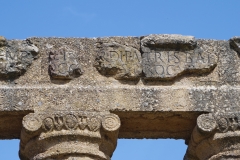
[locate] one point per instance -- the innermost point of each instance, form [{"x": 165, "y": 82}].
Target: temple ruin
[{"x": 72, "y": 98}]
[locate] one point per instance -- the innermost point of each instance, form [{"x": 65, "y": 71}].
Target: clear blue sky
[{"x": 212, "y": 19}]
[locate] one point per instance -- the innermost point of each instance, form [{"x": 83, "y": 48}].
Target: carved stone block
[
  {"x": 222, "y": 122},
  {"x": 63, "y": 64},
  {"x": 235, "y": 43},
  {"x": 168, "y": 56},
  {"x": 119, "y": 61},
  {"x": 215, "y": 137},
  {"x": 71, "y": 135},
  {"x": 73, "y": 121},
  {"x": 16, "y": 57}
]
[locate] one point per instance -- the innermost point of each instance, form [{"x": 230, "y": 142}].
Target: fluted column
[
  {"x": 69, "y": 135},
  {"x": 216, "y": 137}
]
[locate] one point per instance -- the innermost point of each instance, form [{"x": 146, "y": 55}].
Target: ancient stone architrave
[
  {"x": 159, "y": 86},
  {"x": 119, "y": 61},
  {"x": 235, "y": 44},
  {"x": 70, "y": 135},
  {"x": 63, "y": 64},
  {"x": 16, "y": 57},
  {"x": 168, "y": 56},
  {"x": 215, "y": 137}
]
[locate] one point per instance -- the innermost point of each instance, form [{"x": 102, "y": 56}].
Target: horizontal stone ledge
[
  {"x": 121, "y": 98},
  {"x": 172, "y": 109}
]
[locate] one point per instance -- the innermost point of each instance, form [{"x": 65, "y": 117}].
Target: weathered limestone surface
[
  {"x": 122, "y": 61},
  {"x": 235, "y": 43},
  {"x": 158, "y": 86},
  {"x": 63, "y": 64},
  {"x": 215, "y": 137},
  {"x": 15, "y": 57},
  {"x": 69, "y": 135},
  {"x": 168, "y": 56}
]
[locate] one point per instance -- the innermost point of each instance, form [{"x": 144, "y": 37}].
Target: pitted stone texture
[
  {"x": 167, "y": 41},
  {"x": 166, "y": 57},
  {"x": 87, "y": 50},
  {"x": 215, "y": 137},
  {"x": 111, "y": 122},
  {"x": 16, "y": 57},
  {"x": 165, "y": 109},
  {"x": 32, "y": 123},
  {"x": 136, "y": 100},
  {"x": 69, "y": 134},
  {"x": 3, "y": 41},
  {"x": 219, "y": 122},
  {"x": 118, "y": 60},
  {"x": 235, "y": 44},
  {"x": 63, "y": 64},
  {"x": 206, "y": 123}
]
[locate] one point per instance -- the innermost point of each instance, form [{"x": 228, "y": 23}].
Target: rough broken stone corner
[{"x": 72, "y": 98}]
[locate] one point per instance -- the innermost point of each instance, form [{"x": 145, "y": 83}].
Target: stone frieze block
[
  {"x": 119, "y": 61},
  {"x": 63, "y": 64},
  {"x": 165, "y": 56},
  {"x": 15, "y": 57}
]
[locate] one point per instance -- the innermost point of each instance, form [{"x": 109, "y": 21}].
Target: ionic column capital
[
  {"x": 216, "y": 136},
  {"x": 69, "y": 134}
]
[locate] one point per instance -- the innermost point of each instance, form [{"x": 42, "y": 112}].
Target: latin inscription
[
  {"x": 171, "y": 63},
  {"x": 119, "y": 61},
  {"x": 63, "y": 64},
  {"x": 15, "y": 57},
  {"x": 175, "y": 58}
]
